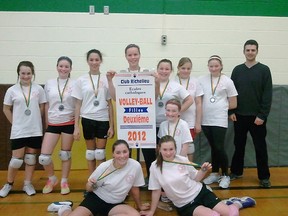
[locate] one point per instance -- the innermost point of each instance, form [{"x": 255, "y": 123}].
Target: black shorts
[
  {"x": 93, "y": 128},
  {"x": 31, "y": 142},
  {"x": 205, "y": 198},
  {"x": 68, "y": 129},
  {"x": 97, "y": 205}
]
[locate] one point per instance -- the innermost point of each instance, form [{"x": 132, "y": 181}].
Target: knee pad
[
  {"x": 45, "y": 159},
  {"x": 100, "y": 154},
  {"x": 16, "y": 163},
  {"x": 90, "y": 155},
  {"x": 30, "y": 159},
  {"x": 191, "y": 148},
  {"x": 65, "y": 155}
]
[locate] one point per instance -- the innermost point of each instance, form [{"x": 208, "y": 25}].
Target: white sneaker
[
  {"x": 29, "y": 189},
  {"x": 5, "y": 190},
  {"x": 63, "y": 209},
  {"x": 224, "y": 182},
  {"x": 55, "y": 206},
  {"x": 213, "y": 177}
]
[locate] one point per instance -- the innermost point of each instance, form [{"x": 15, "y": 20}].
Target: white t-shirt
[
  {"x": 182, "y": 133},
  {"x": 25, "y": 125},
  {"x": 216, "y": 114},
  {"x": 173, "y": 90},
  {"x": 195, "y": 90},
  {"x": 83, "y": 90},
  {"x": 177, "y": 181},
  {"x": 115, "y": 187},
  {"x": 55, "y": 116}
]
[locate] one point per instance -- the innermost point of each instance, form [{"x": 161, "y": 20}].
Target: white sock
[
  {"x": 53, "y": 178},
  {"x": 27, "y": 182},
  {"x": 63, "y": 180}
]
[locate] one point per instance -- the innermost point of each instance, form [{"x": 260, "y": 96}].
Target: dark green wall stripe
[{"x": 276, "y": 8}]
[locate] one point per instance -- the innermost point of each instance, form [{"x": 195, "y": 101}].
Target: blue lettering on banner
[{"x": 135, "y": 110}]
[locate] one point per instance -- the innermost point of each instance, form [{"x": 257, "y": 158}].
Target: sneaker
[
  {"x": 224, "y": 182},
  {"x": 49, "y": 186},
  {"x": 234, "y": 176},
  {"x": 55, "y": 206},
  {"x": 5, "y": 190},
  {"x": 165, "y": 199},
  {"x": 213, "y": 177},
  {"x": 244, "y": 202},
  {"x": 265, "y": 183},
  {"x": 29, "y": 189},
  {"x": 65, "y": 188},
  {"x": 63, "y": 209},
  {"x": 164, "y": 206},
  {"x": 227, "y": 202}
]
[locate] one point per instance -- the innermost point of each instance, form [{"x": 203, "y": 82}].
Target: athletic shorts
[
  {"x": 97, "y": 205},
  {"x": 93, "y": 128},
  {"x": 31, "y": 142},
  {"x": 205, "y": 198},
  {"x": 68, "y": 129}
]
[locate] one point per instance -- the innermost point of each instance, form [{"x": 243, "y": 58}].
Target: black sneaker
[
  {"x": 234, "y": 176},
  {"x": 265, "y": 183}
]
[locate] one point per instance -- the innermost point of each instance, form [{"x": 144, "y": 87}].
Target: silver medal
[
  {"x": 160, "y": 104},
  {"x": 96, "y": 103},
  {"x": 27, "y": 112},
  {"x": 212, "y": 99},
  {"x": 61, "y": 107}
]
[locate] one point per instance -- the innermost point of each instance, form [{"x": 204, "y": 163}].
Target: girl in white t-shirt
[
  {"x": 220, "y": 95},
  {"x": 181, "y": 182},
  {"x": 169, "y": 89},
  {"x": 109, "y": 185},
  {"x": 24, "y": 108},
  {"x": 176, "y": 127},
  {"x": 59, "y": 110},
  {"x": 94, "y": 105},
  {"x": 133, "y": 55},
  {"x": 194, "y": 113}
]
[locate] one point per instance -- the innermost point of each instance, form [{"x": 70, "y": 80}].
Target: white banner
[{"x": 135, "y": 107}]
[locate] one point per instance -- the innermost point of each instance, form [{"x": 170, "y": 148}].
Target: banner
[{"x": 135, "y": 107}]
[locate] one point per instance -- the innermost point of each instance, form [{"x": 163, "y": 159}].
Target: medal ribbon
[
  {"x": 187, "y": 84},
  {"x": 162, "y": 93},
  {"x": 61, "y": 94},
  {"x": 107, "y": 172},
  {"x": 213, "y": 89},
  {"x": 27, "y": 99},
  {"x": 183, "y": 163},
  {"x": 95, "y": 90},
  {"x": 174, "y": 128}
]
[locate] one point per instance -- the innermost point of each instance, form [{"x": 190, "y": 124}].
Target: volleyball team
[{"x": 184, "y": 107}]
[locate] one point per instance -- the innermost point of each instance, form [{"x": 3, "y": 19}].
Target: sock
[
  {"x": 27, "y": 182},
  {"x": 238, "y": 203},
  {"x": 53, "y": 178},
  {"x": 64, "y": 180}
]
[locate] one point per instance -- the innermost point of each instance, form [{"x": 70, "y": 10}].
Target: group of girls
[
  {"x": 203, "y": 102},
  {"x": 61, "y": 103}
]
